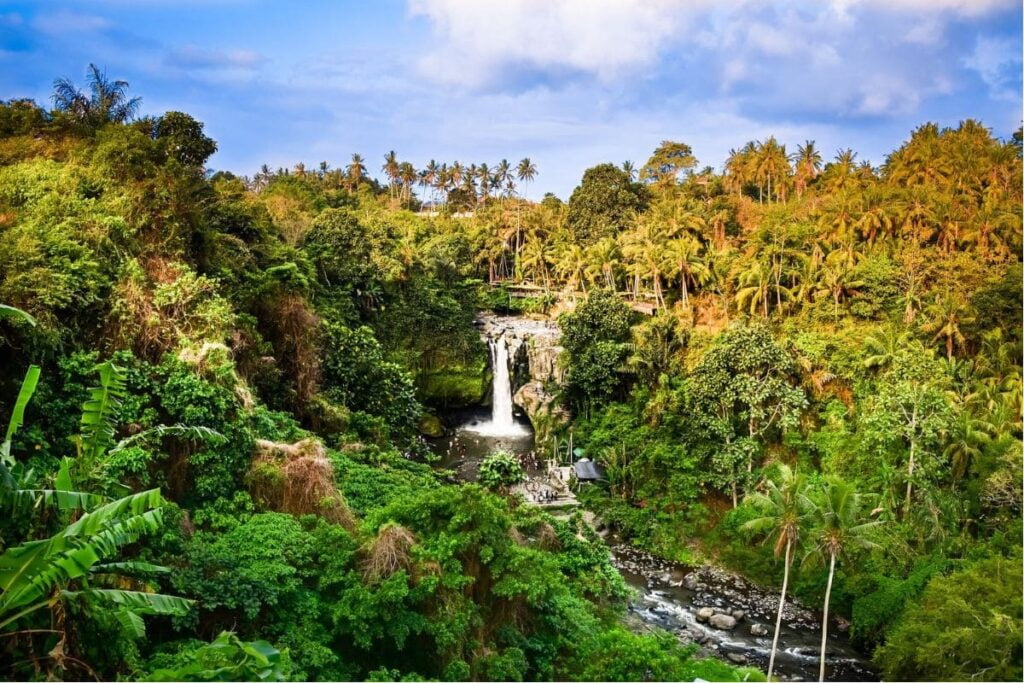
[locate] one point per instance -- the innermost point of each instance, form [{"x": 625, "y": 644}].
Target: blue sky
[{"x": 569, "y": 83}]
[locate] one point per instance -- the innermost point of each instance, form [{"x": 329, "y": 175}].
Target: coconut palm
[
  {"x": 526, "y": 171},
  {"x": 784, "y": 510},
  {"x": 882, "y": 347},
  {"x": 390, "y": 169},
  {"x": 808, "y": 165},
  {"x": 685, "y": 263},
  {"x": 966, "y": 441},
  {"x": 947, "y": 314},
  {"x": 603, "y": 257},
  {"x": 840, "y": 529},
  {"x": 106, "y": 101}
]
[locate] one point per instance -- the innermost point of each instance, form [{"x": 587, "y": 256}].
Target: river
[{"x": 668, "y": 596}]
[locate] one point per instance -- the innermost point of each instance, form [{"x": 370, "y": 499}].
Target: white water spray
[
  {"x": 502, "y": 423},
  {"x": 501, "y": 399}
]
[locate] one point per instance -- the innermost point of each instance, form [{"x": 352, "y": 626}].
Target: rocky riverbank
[{"x": 732, "y": 618}]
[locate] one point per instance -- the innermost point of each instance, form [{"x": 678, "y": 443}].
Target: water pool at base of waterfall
[{"x": 468, "y": 441}]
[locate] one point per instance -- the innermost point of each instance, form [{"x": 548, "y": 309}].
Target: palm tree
[
  {"x": 808, "y": 165},
  {"x": 837, "y": 281},
  {"x": 106, "y": 102},
  {"x": 603, "y": 258},
  {"x": 630, "y": 169},
  {"x": 430, "y": 174},
  {"x": 755, "y": 288},
  {"x": 882, "y": 347},
  {"x": 947, "y": 314},
  {"x": 503, "y": 176},
  {"x": 840, "y": 528},
  {"x": 966, "y": 441},
  {"x": 390, "y": 169},
  {"x": 683, "y": 256},
  {"x": 407, "y": 176},
  {"x": 526, "y": 172},
  {"x": 784, "y": 511},
  {"x": 356, "y": 171},
  {"x": 484, "y": 174}
]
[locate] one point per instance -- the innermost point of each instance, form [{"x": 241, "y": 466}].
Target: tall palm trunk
[
  {"x": 824, "y": 618},
  {"x": 782, "y": 603}
]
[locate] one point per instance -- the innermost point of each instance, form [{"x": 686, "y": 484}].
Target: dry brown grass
[
  {"x": 297, "y": 334},
  {"x": 298, "y": 479},
  {"x": 547, "y": 537},
  {"x": 389, "y": 552}
]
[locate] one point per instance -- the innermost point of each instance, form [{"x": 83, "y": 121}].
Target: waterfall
[
  {"x": 501, "y": 397},
  {"x": 502, "y": 423}
]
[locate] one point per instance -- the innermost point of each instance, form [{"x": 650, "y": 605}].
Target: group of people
[{"x": 528, "y": 460}]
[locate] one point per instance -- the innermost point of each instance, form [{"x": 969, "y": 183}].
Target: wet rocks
[
  {"x": 723, "y": 622},
  {"x": 738, "y": 614},
  {"x": 758, "y": 630},
  {"x": 705, "y": 613},
  {"x": 736, "y": 657}
]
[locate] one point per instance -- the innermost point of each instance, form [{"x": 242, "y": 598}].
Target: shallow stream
[{"x": 669, "y": 596}]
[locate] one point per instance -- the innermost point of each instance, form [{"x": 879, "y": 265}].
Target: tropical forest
[{"x": 732, "y": 419}]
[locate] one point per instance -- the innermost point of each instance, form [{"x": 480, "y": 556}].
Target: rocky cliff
[{"x": 535, "y": 344}]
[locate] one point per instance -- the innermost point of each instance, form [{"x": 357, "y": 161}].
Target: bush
[
  {"x": 966, "y": 626},
  {"x": 500, "y": 471}
]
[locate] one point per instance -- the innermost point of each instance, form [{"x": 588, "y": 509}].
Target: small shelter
[{"x": 586, "y": 471}]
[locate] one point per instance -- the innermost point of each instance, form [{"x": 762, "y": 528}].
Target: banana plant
[
  {"x": 40, "y": 574},
  {"x": 77, "y": 566}
]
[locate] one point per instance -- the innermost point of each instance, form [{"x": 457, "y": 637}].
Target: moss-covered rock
[
  {"x": 430, "y": 425},
  {"x": 455, "y": 386}
]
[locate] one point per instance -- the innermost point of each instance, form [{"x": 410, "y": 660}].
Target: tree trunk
[
  {"x": 910, "y": 481},
  {"x": 782, "y": 603},
  {"x": 824, "y": 618}
]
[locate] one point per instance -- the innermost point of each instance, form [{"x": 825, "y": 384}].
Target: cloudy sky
[{"x": 569, "y": 83}]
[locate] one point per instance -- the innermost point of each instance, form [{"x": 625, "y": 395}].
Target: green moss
[
  {"x": 454, "y": 386},
  {"x": 431, "y": 426}
]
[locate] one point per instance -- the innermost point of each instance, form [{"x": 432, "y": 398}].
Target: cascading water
[
  {"x": 501, "y": 398},
  {"x": 502, "y": 423}
]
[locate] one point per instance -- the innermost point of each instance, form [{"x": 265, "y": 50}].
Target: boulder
[
  {"x": 541, "y": 407},
  {"x": 430, "y": 425},
  {"x": 758, "y": 630},
  {"x": 543, "y": 353},
  {"x": 737, "y": 657},
  {"x": 705, "y": 613},
  {"x": 724, "y": 622},
  {"x": 738, "y": 614}
]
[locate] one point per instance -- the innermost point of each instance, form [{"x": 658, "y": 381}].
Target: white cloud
[
  {"x": 998, "y": 62},
  {"x": 966, "y": 8},
  {"x": 196, "y": 57},
  {"x": 69, "y": 22},
  {"x": 604, "y": 38}
]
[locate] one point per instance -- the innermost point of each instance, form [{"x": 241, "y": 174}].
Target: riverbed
[{"x": 668, "y": 596}]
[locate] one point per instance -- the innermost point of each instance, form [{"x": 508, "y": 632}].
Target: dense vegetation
[{"x": 216, "y": 391}]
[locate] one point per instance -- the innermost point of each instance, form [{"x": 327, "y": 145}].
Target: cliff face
[{"x": 538, "y": 371}]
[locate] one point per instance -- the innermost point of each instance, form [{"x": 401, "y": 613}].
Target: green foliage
[
  {"x": 501, "y": 470},
  {"x": 226, "y": 658},
  {"x": 595, "y": 338},
  {"x": 965, "y": 625},
  {"x": 356, "y": 374},
  {"x": 603, "y": 204}
]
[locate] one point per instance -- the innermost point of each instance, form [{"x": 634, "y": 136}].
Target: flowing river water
[{"x": 667, "y": 596}]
